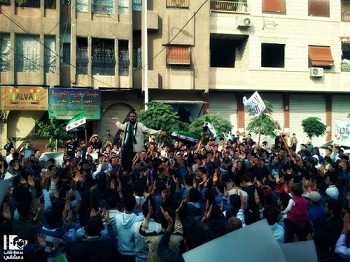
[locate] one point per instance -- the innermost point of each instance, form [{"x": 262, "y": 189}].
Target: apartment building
[
  {"x": 204, "y": 55},
  {"x": 294, "y": 53}
]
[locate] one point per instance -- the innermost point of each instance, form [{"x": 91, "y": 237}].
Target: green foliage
[
  {"x": 21, "y": 2},
  {"x": 160, "y": 116},
  {"x": 5, "y": 2},
  {"x": 52, "y": 131},
  {"x": 220, "y": 124},
  {"x": 263, "y": 124},
  {"x": 313, "y": 126}
]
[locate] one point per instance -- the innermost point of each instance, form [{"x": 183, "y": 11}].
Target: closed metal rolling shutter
[
  {"x": 276, "y": 100},
  {"x": 303, "y": 106},
  {"x": 224, "y": 103},
  {"x": 340, "y": 106}
]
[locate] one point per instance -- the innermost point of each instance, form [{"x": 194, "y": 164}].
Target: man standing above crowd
[{"x": 133, "y": 138}]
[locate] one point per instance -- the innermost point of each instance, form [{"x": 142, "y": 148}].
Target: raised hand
[
  {"x": 207, "y": 213},
  {"x": 41, "y": 240},
  {"x": 6, "y": 214}
]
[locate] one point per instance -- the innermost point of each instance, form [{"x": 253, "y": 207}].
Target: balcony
[
  {"x": 5, "y": 2},
  {"x": 177, "y": 3},
  {"x": 345, "y": 17},
  {"x": 229, "y": 6},
  {"x": 345, "y": 67},
  {"x": 28, "y": 3}
]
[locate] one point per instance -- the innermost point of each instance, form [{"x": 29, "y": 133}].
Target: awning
[{"x": 321, "y": 56}]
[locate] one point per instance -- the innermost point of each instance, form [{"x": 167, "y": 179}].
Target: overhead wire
[
  {"x": 70, "y": 64},
  {"x": 31, "y": 35}
]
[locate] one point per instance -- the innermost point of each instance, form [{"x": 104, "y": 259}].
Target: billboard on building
[
  {"x": 24, "y": 98},
  {"x": 66, "y": 103}
]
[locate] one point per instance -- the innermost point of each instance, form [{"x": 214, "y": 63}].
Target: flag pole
[
  {"x": 86, "y": 137},
  {"x": 280, "y": 134}
]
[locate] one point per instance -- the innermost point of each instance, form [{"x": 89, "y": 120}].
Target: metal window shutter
[
  {"x": 226, "y": 105},
  {"x": 303, "y": 106}
]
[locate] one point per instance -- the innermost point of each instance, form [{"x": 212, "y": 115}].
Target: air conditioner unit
[
  {"x": 244, "y": 22},
  {"x": 316, "y": 72}
]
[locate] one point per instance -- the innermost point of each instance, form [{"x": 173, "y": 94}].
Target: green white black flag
[{"x": 76, "y": 121}]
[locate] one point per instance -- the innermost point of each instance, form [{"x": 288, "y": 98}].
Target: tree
[
  {"x": 160, "y": 116},
  {"x": 313, "y": 126},
  {"x": 221, "y": 125},
  {"x": 263, "y": 124},
  {"x": 53, "y": 130}
]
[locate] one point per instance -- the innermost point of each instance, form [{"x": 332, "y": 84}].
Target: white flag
[{"x": 255, "y": 103}]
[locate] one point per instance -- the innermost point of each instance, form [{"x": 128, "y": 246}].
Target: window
[
  {"x": 50, "y": 4},
  {"x": 82, "y": 5},
  {"x": 65, "y": 54},
  {"x": 345, "y": 62},
  {"x": 178, "y": 55},
  {"x": 27, "y": 55},
  {"x": 222, "y": 52},
  {"x": 274, "y": 6},
  {"x": 103, "y": 6},
  {"x": 123, "y": 54},
  {"x": 137, "y": 51},
  {"x": 319, "y": 8},
  {"x": 137, "y": 5},
  {"x": 320, "y": 56},
  {"x": 82, "y": 56},
  {"x": 103, "y": 57},
  {"x": 137, "y": 58},
  {"x": 177, "y": 3},
  {"x": 272, "y": 55},
  {"x": 123, "y": 7},
  {"x": 5, "y": 50},
  {"x": 345, "y": 47},
  {"x": 50, "y": 54}
]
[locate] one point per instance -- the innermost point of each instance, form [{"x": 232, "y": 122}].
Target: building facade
[{"x": 204, "y": 55}]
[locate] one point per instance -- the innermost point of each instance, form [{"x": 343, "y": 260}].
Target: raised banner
[
  {"x": 255, "y": 102},
  {"x": 24, "y": 98},
  {"x": 66, "y": 103},
  {"x": 341, "y": 130}
]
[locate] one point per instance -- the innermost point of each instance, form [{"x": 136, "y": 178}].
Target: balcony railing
[
  {"x": 28, "y": 3},
  {"x": 5, "y": 2},
  {"x": 229, "y": 6},
  {"x": 345, "y": 17},
  {"x": 345, "y": 67},
  {"x": 178, "y": 3}
]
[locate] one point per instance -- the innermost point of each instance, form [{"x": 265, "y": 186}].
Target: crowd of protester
[{"x": 177, "y": 197}]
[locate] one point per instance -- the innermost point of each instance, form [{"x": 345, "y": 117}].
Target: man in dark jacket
[{"x": 94, "y": 247}]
